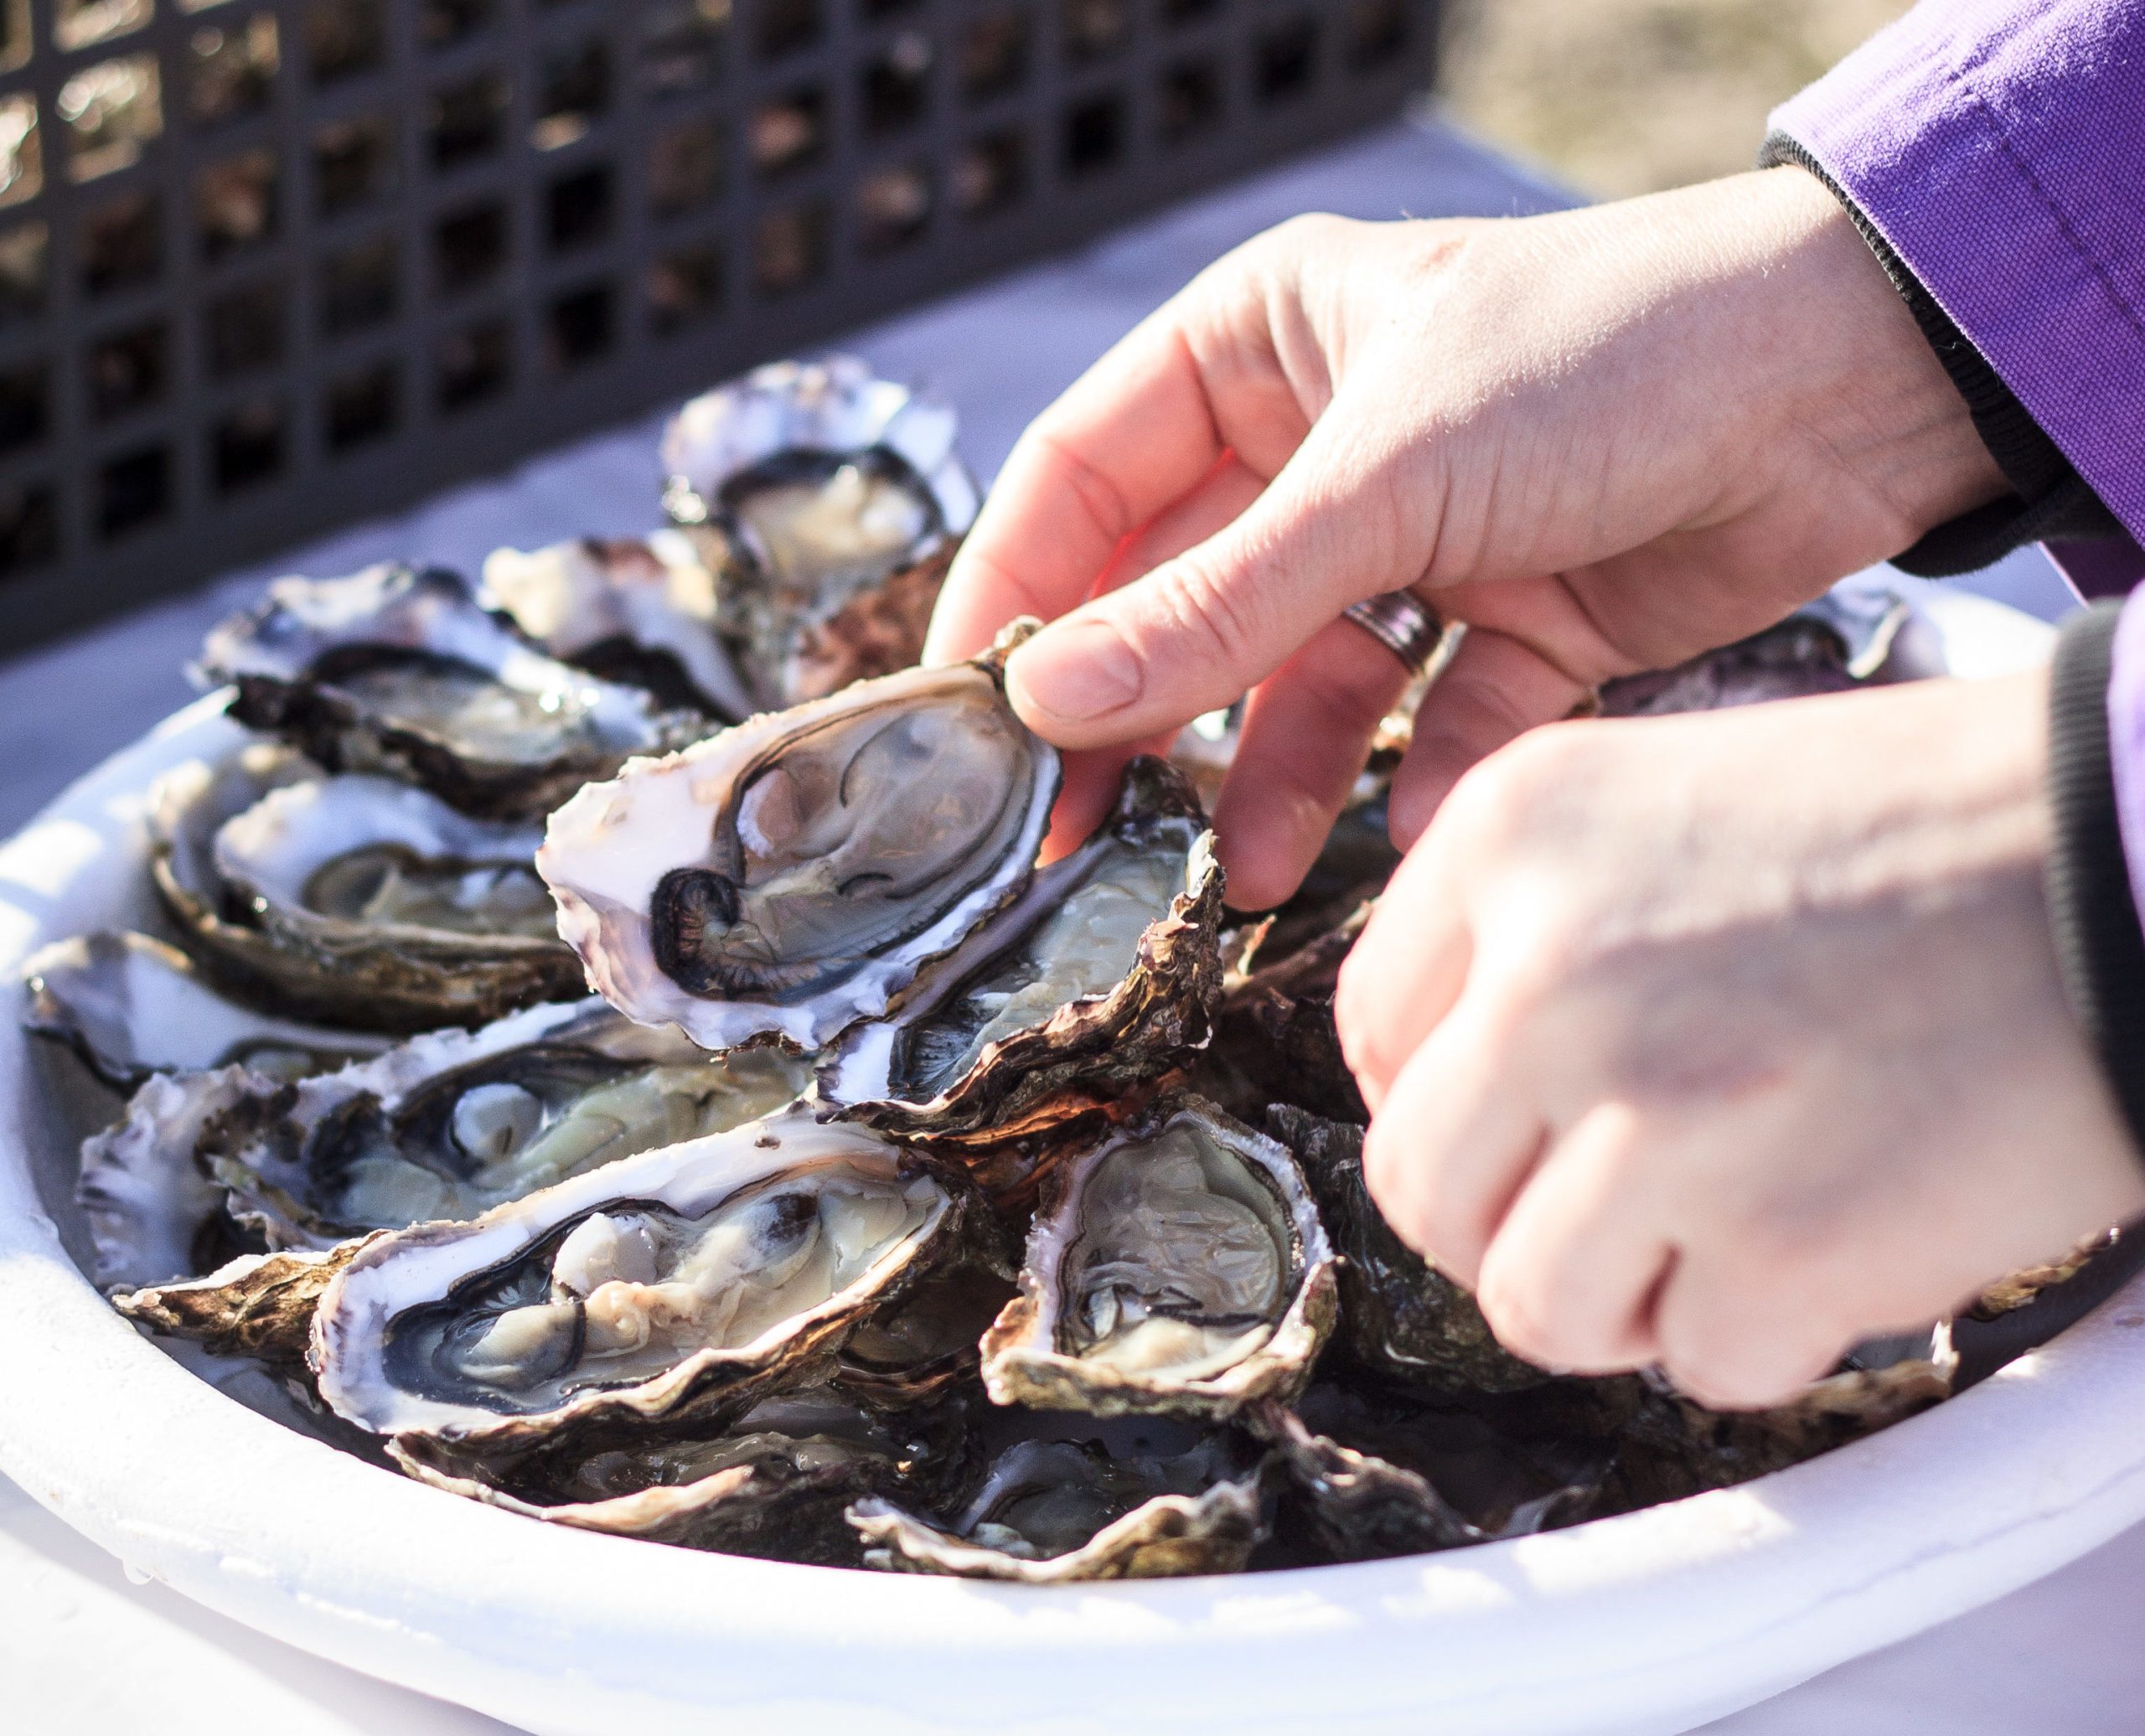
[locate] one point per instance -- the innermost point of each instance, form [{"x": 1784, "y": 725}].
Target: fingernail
[{"x": 1076, "y": 671}]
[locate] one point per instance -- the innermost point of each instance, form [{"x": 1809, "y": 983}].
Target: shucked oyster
[
  {"x": 399, "y": 670},
  {"x": 1102, "y": 974},
  {"x": 681, "y": 1285},
  {"x": 1178, "y": 1266},
  {"x": 131, "y": 1005},
  {"x": 352, "y": 900},
  {"x": 792, "y": 875},
  {"x": 637, "y": 611},
  {"x": 827, "y": 503},
  {"x": 1054, "y": 1512},
  {"x": 775, "y": 1484},
  {"x": 453, "y": 1123}
]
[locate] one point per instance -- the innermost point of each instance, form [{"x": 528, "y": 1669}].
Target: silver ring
[{"x": 1399, "y": 621}]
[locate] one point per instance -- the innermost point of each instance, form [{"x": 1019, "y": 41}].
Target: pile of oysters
[{"x": 894, "y": 1201}]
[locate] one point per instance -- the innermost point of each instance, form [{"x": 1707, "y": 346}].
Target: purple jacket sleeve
[{"x": 1997, "y": 145}]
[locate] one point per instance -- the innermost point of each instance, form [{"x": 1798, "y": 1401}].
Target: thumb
[{"x": 1201, "y": 630}]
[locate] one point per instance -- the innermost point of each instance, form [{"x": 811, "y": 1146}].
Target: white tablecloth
[{"x": 84, "y": 1652}]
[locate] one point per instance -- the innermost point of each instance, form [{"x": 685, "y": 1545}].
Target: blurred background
[{"x": 1625, "y": 96}]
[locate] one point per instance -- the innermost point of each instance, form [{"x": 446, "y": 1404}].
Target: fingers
[
  {"x": 1306, "y": 736},
  {"x": 1494, "y": 690},
  {"x": 1201, "y": 630},
  {"x": 1132, "y": 435},
  {"x": 1090, "y": 791},
  {"x": 1452, "y": 1144},
  {"x": 1736, "y": 1342},
  {"x": 1406, "y": 972},
  {"x": 1573, "y": 1272}
]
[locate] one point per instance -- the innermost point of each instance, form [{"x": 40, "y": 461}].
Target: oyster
[
  {"x": 639, "y": 611},
  {"x": 153, "y": 1212},
  {"x": 1177, "y": 1267},
  {"x": 1102, "y": 974},
  {"x": 677, "y": 1287},
  {"x": 774, "y": 1485},
  {"x": 383, "y": 886},
  {"x": 792, "y": 875},
  {"x": 399, "y": 670},
  {"x": 1399, "y": 1317},
  {"x": 1275, "y": 1040},
  {"x": 830, "y": 502},
  {"x": 260, "y": 1304},
  {"x": 1052, "y": 1512},
  {"x": 453, "y": 1123},
  {"x": 131, "y": 1005}
]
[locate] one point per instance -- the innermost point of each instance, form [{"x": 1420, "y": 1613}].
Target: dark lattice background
[{"x": 265, "y": 267}]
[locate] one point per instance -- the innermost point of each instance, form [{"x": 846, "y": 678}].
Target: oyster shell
[
  {"x": 827, "y": 503},
  {"x": 384, "y": 886},
  {"x": 637, "y": 611},
  {"x": 1399, "y": 1315},
  {"x": 1102, "y": 974},
  {"x": 452, "y": 1124},
  {"x": 399, "y": 670},
  {"x": 1177, "y": 1267},
  {"x": 152, "y": 1212},
  {"x": 679, "y": 1286},
  {"x": 131, "y": 1005},
  {"x": 792, "y": 875},
  {"x": 1275, "y": 1040},
  {"x": 260, "y": 1304},
  {"x": 1053, "y": 1512},
  {"x": 774, "y": 1485}
]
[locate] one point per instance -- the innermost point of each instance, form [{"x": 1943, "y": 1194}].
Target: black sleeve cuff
[
  {"x": 2049, "y": 499},
  {"x": 2100, "y": 946}
]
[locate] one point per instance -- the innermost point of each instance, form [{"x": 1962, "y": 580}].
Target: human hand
[
  {"x": 1723, "y": 1042},
  {"x": 1607, "y": 439}
]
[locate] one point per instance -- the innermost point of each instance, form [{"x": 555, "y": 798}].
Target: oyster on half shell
[
  {"x": 131, "y": 1005},
  {"x": 400, "y": 671},
  {"x": 792, "y": 875},
  {"x": 827, "y": 503},
  {"x": 1053, "y": 1512},
  {"x": 455, "y": 1123},
  {"x": 677, "y": 1287},
  {"x": 1177, "y": 1267},
  {"x": 1102, "y": 974},
  {"x": 639, "y": 611}
]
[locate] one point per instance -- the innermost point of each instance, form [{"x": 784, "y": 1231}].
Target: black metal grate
[{"x": 265, "y": 267}]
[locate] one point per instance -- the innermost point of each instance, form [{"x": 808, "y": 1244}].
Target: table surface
[{"x": 84, "y": 1651}]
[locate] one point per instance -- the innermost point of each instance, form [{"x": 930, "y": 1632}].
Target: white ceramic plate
[{"x": 1651, "y": 1622}]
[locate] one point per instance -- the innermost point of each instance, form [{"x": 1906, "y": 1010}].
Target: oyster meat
[
  {"x": 1102, "y": 974},
  {"x": 1179, "y": 1266},
  {"x": 131, "y": 1005},
  {"x": 400, "y": 670},
  {"x": 775, "y": 1485},
  {"x": 828, "y": 503},
  {"x": 639, "y": 611},
  {"x": 792, "y": 875},
  {"x": 680, "y": 1286},
  {"x": 1052, "y": 1512},
  {"x": 452, "y": 1124}
]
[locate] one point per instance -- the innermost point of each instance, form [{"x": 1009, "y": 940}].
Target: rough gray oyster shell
[
  {"x": 347, "y": 973},
  {"x": 131, "y": 1005},
  {"x": 792, "y": 875},
  {"x": 1274, "y": 1036},
  {"x": 455, "y": 1123},
  {"x": 1054, "y": 1512},
  {"x": 1103, "y": 972},
  {"x": 639, "y": 611},
  {"x": 926, "y": 1345},
  {"x": 153, "y": 1211},
  {"x": 677, "y": 1287},
  {"x": 1177, "y": 1267},
  {"x": 827, "y": 504},
  {"x": 260, "y": 1304},
  {"x": 399, "y": 670},
  {"x": 775, "y": 1484}
]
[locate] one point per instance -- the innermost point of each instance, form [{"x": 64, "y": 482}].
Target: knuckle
[{"x": 1099, "y": 497}]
